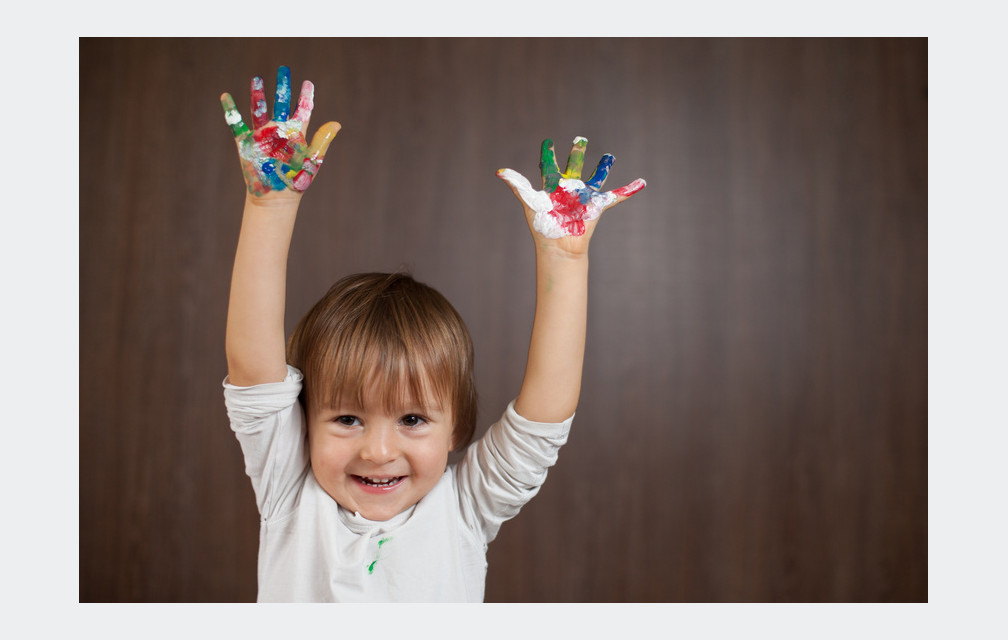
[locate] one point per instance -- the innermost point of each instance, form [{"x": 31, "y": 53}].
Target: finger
[
  {"x": 321, "y": 140},
  {"x": 232, "y": 117},
  {"x": 598, "y": 177},
  {"x": 575, "y": 160},
  {"x": 306, "y": 102},
  {"x": 548, "y": 166},
  {"x": 281, "y": 102},
  {"x": 522, "y": 188},
  {"x": 602, "y": 201},
  {"x": 259, "y": 115},
  {"x": 625, "y": 192},
  {"x": 316, "y": 154}
]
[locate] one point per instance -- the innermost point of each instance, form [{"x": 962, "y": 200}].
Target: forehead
[{"x": 392, "y": 392}]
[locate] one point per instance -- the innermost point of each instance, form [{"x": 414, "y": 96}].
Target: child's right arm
[{"x": 278, "y": 166}]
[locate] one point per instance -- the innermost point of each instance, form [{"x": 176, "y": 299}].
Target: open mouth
[{"x": 379, "y": 483}]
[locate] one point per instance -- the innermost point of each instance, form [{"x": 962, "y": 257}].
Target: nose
[{"x": 378, "y": 446}]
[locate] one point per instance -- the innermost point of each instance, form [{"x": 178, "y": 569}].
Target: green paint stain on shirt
[{"x": 381, "y": 542}]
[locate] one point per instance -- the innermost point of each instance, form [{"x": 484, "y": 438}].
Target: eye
[
  {"x": 347, "y": 421},
  {"x": 412, "y": 421}
]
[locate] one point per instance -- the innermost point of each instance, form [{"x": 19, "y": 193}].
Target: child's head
[{"x": 383, "y": 344}]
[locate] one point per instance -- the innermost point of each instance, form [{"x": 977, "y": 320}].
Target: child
[{"x": 346, "y": 432}]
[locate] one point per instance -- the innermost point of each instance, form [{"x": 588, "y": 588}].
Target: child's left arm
[{"x": 562, "y": 218}]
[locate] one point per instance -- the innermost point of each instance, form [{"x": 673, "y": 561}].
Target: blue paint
[
  {"x": 281, "y": 103},
  {"x": 269, "y": 170},
  {"x": 601, "y": 172}
]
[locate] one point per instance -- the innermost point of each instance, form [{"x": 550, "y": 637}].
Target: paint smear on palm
[
  {"x": 275, "y": 155},
  {"x": 566, "y": 203}
]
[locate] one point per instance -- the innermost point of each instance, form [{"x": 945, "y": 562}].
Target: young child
[{"x": 346, "y": 432}]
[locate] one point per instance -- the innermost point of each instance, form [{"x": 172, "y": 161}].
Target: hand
[
  {"x": 275, "y": 155},
  {"x": 567, "y": 208}
]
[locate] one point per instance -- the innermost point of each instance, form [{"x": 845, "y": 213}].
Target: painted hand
[
  {"x": 274, "y": 154},
  {"x": 565, "y": 205}
]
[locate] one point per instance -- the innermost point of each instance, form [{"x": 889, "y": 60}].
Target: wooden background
[{"x": 753, "y": 423}]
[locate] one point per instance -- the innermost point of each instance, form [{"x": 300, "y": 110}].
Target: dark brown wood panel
[{"x": 753, "y": 425}]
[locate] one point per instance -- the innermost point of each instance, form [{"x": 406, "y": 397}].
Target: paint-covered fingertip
[
  {"x": 331, "y": 128},
  {"x": 226, "y": 99},
  {"x": 630, "y": 189},
  {"x": 581, "y": 140},
  {"x": 325, "y": 135},
  {"x": 512, "y": 177},
  {"x": 321, "y": 139}
]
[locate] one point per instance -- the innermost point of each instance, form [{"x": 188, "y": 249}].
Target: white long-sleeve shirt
[{"x": 313, "y": 550}]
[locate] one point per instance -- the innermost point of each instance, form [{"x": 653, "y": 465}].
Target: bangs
[
  {"x": 376, "y": 375},
  {"x": 392, "y": 350},
  {"x": 386, "y": 339}
]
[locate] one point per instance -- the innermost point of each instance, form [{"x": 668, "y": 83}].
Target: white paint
[
  {"x": 545, "y": 221},
  {"x": 538, "y": 201}
]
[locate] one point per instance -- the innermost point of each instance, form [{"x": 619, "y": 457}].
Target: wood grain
[{"x": 753, "y": 425}]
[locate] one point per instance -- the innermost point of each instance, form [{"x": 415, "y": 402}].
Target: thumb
[
  {"x": 316, "y": 154},
  {"x": 522, "y": 188}
]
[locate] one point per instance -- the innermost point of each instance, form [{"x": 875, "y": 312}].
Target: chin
[{"x": 380, "y": 514}]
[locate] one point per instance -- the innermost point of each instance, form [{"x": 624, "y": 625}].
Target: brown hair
[{"x": 392, "y": 333}]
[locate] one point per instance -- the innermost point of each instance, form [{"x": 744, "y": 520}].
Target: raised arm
[
  {"x": 278, "y": 165},
  {"x": 562, "y": 218}
]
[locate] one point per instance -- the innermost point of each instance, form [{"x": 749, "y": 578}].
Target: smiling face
[
  {"x": 388, "y": 390},
  {"x": 379, "y": 460}
]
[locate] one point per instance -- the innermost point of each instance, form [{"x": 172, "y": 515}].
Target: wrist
[
  {"x": 274, "y": 200},
  {"x": 548, "y": 252},
  {"x": 556, "y": 270}
]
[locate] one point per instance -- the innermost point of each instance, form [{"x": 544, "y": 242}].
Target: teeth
[{"x": 380, "y": 483}]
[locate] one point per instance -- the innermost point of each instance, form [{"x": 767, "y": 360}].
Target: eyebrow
[{"x": 349, "y": 403}]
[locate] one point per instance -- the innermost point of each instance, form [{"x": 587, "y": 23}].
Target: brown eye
[
  {"x": 348, "y": 421},
  {"x": 412, "y": 420}
]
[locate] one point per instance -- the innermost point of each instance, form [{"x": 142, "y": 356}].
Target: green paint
[
  {"x": 370, "y": 568},
  {"x": 548, "y": 166},
  {"x": 231, "y": 115}
]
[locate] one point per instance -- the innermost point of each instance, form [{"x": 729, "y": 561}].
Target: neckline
[{"x": 360, "y": 525}]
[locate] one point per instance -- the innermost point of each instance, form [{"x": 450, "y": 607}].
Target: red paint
[
  {"x": 273, "y": 145},
  {"x": 630, "y": 189},
  {"x": 305, "y": 102},
  {"x": 303, "y": 179},
  {"x": 259, "y": 113},
  {"x": 569, "y": 211}
]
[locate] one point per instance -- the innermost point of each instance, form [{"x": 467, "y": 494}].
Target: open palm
[
  {"x": 566, "y": 209},
  {"x": 274, "y": 153}
]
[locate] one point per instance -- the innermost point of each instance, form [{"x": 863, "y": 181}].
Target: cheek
[
  {"x": 432, "y": 457},
  {"x": 328, "y": 453}
]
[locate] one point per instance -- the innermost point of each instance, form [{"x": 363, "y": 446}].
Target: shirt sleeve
[
  {"x": 270, "y": 426},
  {"x": 505, "y": 469}
]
